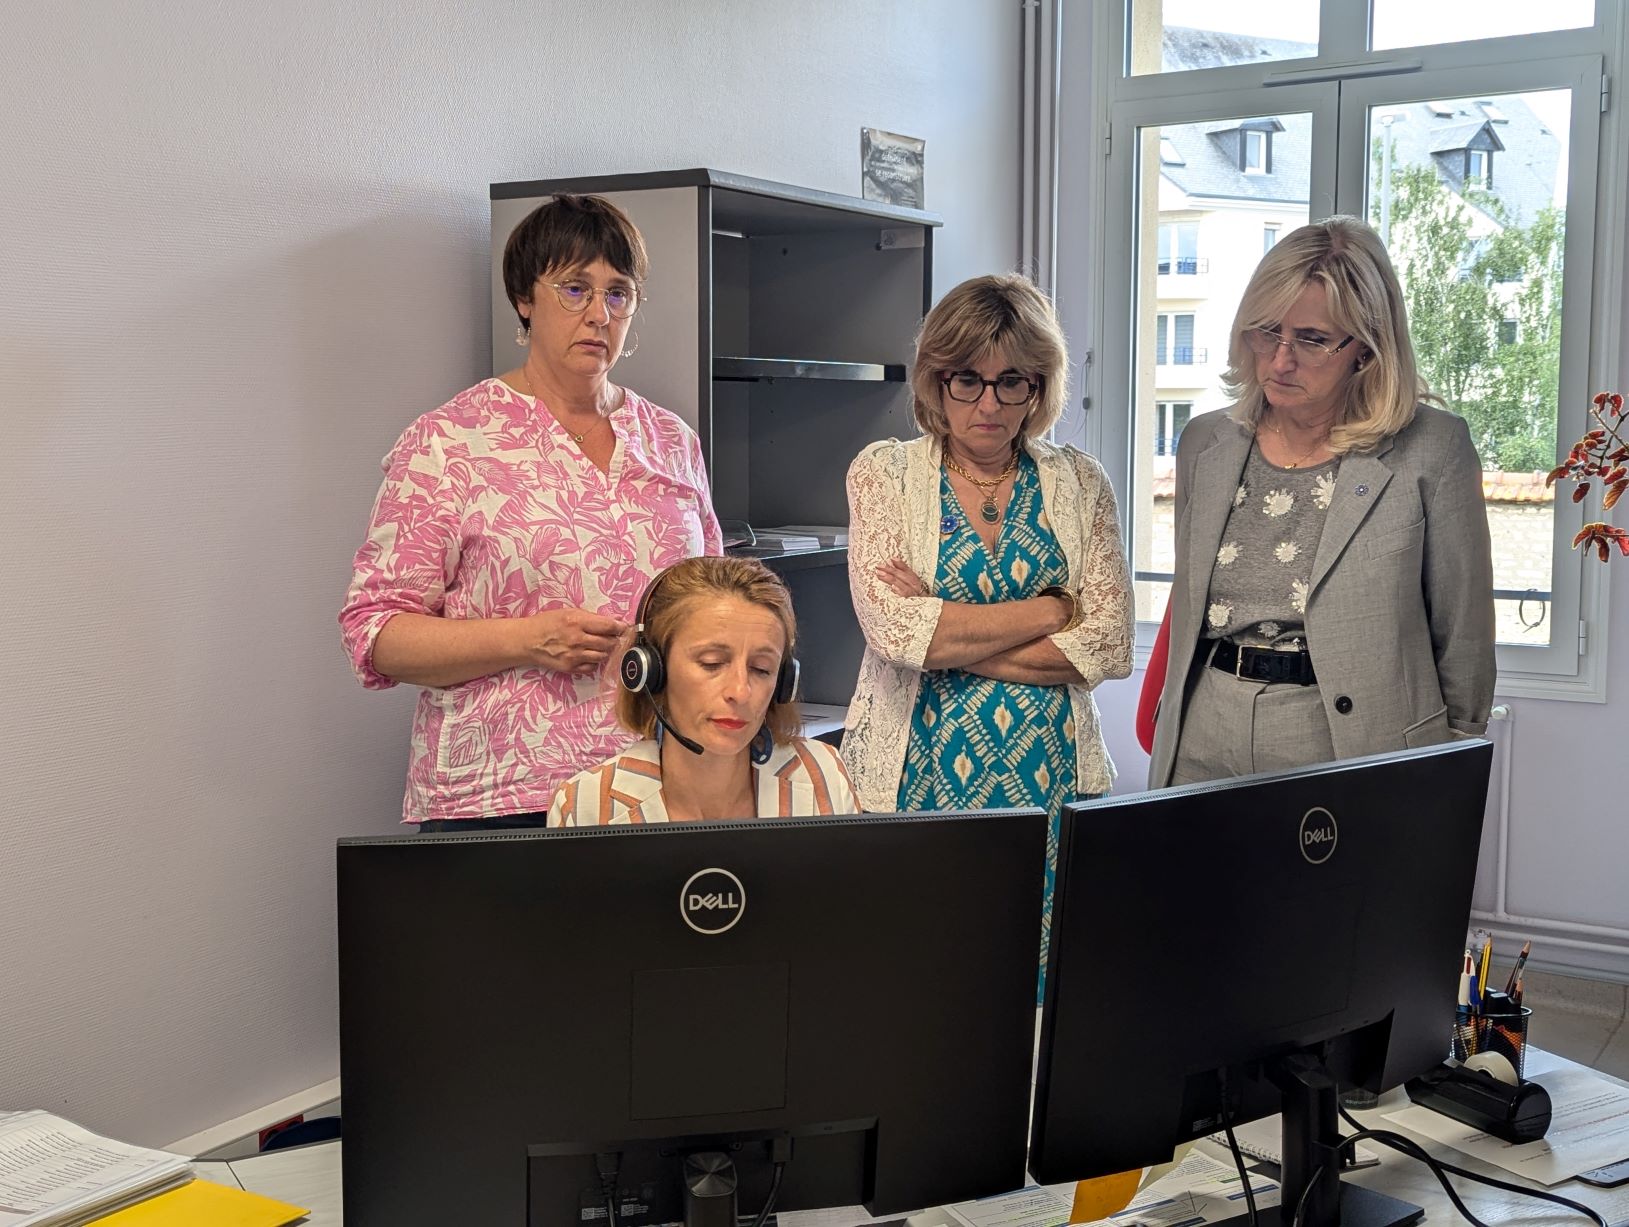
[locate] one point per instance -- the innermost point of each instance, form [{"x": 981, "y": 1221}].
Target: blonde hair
[
  {"x": 1005, "y": 313},
  {"x": 1346, "y": 257},
  {"x": 666, "y": 605}
]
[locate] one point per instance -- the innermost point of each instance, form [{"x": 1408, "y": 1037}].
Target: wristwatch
[{"x": 1063, "y": 594}]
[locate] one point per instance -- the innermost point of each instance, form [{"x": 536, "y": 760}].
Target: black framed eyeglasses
[
  {"x": 620, "y": 300},
  {"x": 1010, "y": 388},
  {"x": 1310, "y": 353}
]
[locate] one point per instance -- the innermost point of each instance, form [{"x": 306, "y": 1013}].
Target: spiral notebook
[{"x": 1262, "y": 1139}]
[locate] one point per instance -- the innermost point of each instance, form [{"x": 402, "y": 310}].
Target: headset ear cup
[
  {"x": 786, "y": 682},
  {"x": 642, "y": 670}
]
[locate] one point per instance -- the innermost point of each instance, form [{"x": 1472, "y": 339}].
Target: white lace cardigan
[{"x": 893, "y": 510}]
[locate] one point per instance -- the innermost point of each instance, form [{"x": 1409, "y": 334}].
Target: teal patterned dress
[{"x": 977, "y": 743}]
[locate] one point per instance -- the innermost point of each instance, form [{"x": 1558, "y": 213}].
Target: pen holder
[{"x": 1505, "y": 1034}]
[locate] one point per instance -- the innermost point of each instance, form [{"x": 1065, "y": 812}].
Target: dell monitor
[
  {"x": 531, "y": 1020},
  {"x": 1246, "y": 946}
]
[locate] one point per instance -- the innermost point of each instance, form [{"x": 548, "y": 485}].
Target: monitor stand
[
  {"x": 1311, "y": 1161},
  {"x": 709, "y": 1189}
]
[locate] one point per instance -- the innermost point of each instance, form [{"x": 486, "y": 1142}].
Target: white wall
[{"x": 243, "y": 246}]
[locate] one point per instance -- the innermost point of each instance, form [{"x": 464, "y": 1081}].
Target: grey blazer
[{"x": 1400, "y": 606}]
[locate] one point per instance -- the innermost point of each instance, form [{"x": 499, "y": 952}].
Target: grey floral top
[{"x": 1258, "y": 586}]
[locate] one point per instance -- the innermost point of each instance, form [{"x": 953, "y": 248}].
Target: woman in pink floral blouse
[{"x": 515, "y": 530}]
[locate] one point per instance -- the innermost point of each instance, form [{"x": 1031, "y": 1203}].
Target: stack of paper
[
  {"x": 54, "y": 1173},
  {"x": 827, "y": 535}
]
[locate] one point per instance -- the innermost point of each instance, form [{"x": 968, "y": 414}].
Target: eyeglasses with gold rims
[
  {"x": 620, "y": 300},
  {"x": 1010, "y": 387},
  {"x": 1308, "y": 353}
]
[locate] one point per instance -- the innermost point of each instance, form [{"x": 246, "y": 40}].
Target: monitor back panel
[
  {"x": 1201, "y": 927},
  {"x": 501, "y": 992}
]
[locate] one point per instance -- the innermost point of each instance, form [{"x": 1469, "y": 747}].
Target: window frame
[{"x": 1100, "y": 105}]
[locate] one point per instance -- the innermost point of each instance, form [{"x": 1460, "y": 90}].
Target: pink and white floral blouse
[{"x": 489, "y": 510}]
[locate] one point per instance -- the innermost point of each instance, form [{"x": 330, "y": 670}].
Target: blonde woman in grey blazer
[{"x": 1333, "y": 590}]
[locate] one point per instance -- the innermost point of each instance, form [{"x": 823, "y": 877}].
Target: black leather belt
[{"x": 1263, "y": 664}]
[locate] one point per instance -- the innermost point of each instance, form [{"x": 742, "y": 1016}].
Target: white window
[
  {"x": 1255, "y": 152},
  {"x": 1179, "y": 249},
  {"x": 1173, "y": 416},
  {"x": 1173, "y": 340},
  {"x": 1273, "y": 140}
]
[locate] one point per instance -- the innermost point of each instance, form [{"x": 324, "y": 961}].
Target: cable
[
  {"x": 609, "y": 1165},
  {"x": 775, "y": 1188},
  {"x": 1238, "y": 1157},
  {"x": 1301, "y": 1202},
  {"x": 1441, "y": 1170}
]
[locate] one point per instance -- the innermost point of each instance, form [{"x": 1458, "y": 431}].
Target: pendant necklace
[
  {"x": 576, "y": 437},
  {"x": 988, "y": 511},
  {"x": 1305, "y": 456}
]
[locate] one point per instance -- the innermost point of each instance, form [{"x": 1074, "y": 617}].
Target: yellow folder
[{"x": 203, "y": 1203}]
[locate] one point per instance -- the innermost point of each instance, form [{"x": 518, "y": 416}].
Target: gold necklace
[
  {"x": 988, "y": 511},
  {"x": 1301, "y": 459},
  {"x": 576, "y": 437}
]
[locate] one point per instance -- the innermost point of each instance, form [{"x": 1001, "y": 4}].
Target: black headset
[{"x": 644, "y": 671}]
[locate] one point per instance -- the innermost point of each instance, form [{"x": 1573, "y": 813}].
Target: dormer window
[
  {"x": 1479, "y": 167},
  {"x": 1255, "y": 152}
]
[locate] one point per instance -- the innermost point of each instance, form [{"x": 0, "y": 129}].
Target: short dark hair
[{"x": 568, "y": 232}]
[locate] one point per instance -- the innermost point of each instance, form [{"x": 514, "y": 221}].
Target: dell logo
[
  {"x": 1318, "y": 835},
  {"x": 712, "y": 901}
]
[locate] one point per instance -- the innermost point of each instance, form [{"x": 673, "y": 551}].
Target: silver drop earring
[
  {"x": 629, "y": 352},
  {"x": 522, "y": 336}
]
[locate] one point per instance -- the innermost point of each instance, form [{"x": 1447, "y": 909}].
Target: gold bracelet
[{"x": 1063, "y": 594}]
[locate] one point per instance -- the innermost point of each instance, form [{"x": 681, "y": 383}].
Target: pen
[
  {"x": 1516, "y": 997},
  {"x": 1516, "y": 971},
  {"x": 1464, "y": 1001}
]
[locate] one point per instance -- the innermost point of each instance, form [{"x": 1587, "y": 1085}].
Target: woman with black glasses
[
  {"x": 987, "y": 571},
  {"x": 515, "y": 530},
  {"x": 1333, "y": 589}
]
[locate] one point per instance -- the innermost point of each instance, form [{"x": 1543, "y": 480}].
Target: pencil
[{"x": 1516, "y": 971}]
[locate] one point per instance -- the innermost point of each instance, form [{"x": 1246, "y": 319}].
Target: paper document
[
  {"x": 1263, "y": 1139},
  {"x": 1035, "y": 1206},
  {"x": 1589, "y": 1127},
  {"x": 1199, "y": 1190},
  {"x": 54, "y": 1171},
  {"x": 1610, "y": 1204},
  {"x": 848, "y": 1216}
]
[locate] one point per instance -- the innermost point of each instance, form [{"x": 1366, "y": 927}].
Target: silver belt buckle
[{"x": 1238, "y": 661}]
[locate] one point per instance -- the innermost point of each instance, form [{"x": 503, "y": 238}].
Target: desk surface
[{"x": 310, "y": 1176}]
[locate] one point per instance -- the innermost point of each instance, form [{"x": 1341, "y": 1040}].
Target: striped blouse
[{"x": 802, "y": 779}]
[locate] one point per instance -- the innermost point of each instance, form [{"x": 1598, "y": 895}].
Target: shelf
[
  {"x": 746, "y": 370},
  {"x": 796, "y": 560}
]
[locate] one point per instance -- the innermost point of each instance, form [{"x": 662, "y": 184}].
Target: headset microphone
[{"x": 693, "y": 746}]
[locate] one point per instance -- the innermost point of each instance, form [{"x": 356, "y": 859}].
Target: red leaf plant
[{"x": 1601, "y": 455}]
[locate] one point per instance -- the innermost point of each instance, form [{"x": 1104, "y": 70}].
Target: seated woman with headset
[{"x": 709, "y": 685}]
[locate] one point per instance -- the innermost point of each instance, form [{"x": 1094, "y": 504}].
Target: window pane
[
  {"x": 1182, "y": 35},
  {"x": 1480, "y": 262},
  {"x": 1429, "y": 23},
  {"x": 1204, "y": 204}
]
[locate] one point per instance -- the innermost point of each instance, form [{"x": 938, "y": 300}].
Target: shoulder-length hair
[
  {"x": 568, "y": 232},
  {"x": 1346, "y": 257},
  {"x": 1004, "y": 313},
  {"x": 668, "y": 600}
]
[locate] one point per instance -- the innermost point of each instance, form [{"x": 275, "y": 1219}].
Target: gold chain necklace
[
  {"x": 575, "y": 436},
  {"x": 1303, "y": 458},
  {"x": 988, "y": 511}
]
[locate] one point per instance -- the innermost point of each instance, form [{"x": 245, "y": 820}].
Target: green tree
[{"x": 1470, "y": 277}]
